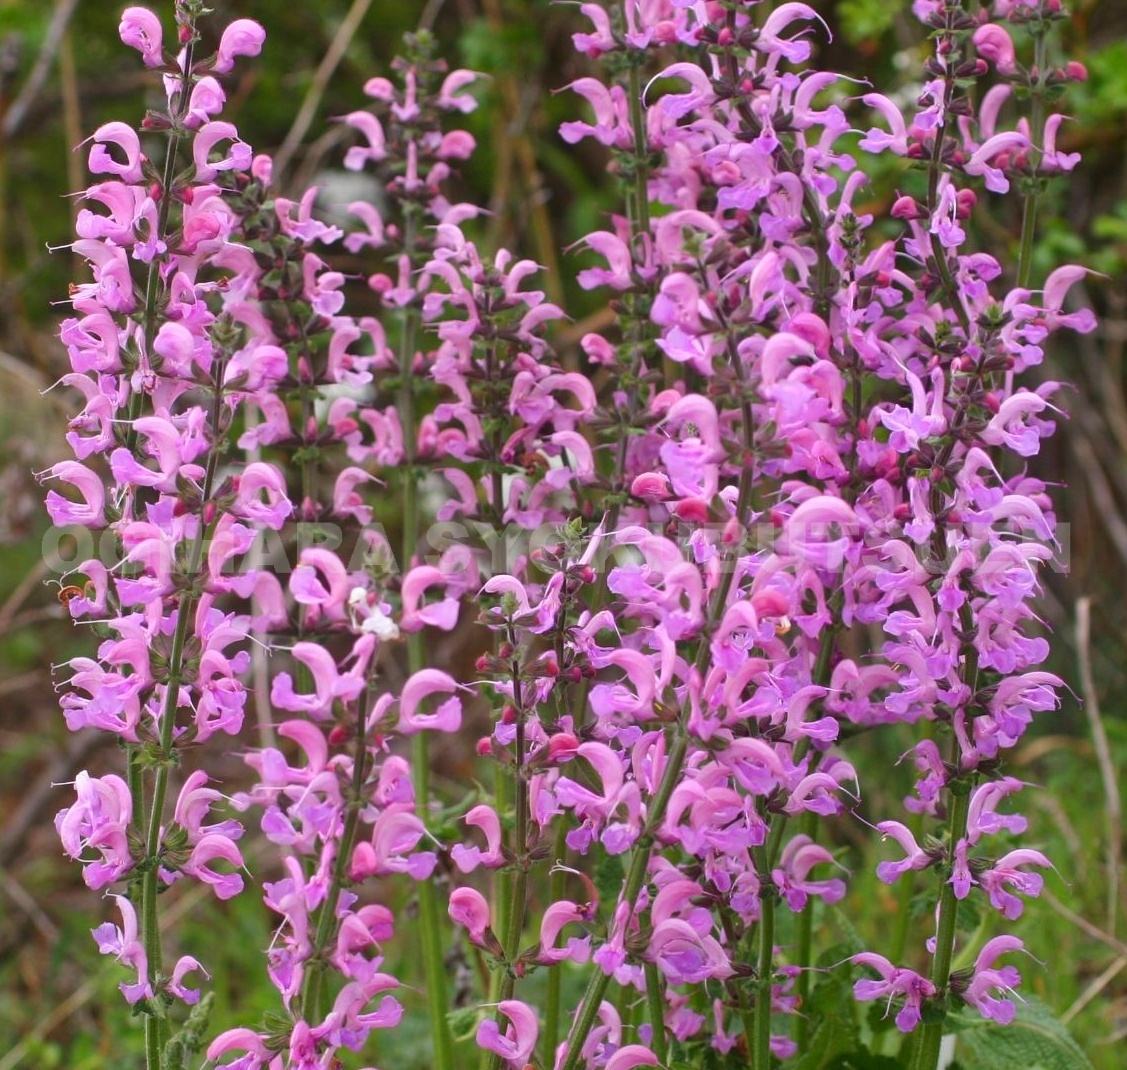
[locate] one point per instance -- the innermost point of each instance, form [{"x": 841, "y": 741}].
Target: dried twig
[
  {"x": 15, "y": 115},
  {"x": 90, "y": 988},
  {"x": 16, "y": 599},
  {"x": 1112, "y": 806},
  {"x": 1100, "y": 490},
  {"x": 1093, "y": 990},
  {"x": 343, "y": 38},
  {"x": 1082, "y": 923},
  {"x": 27, "y": 903},
  {"x": 29, "y": 814}
]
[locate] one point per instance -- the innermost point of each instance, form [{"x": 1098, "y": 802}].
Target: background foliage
[{"x": 58, "y": 1006}]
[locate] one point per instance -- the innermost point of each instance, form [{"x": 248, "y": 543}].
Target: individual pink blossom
[
  {"x": 467, "y": 859},
  {"x": 141, "y": 29},
  {"x": 994, "y": 43},
  {"x": 915, "y": 857},
  {"x": 98, "y": 820},
  {"x": 519, "y": 1039},
  {"x": 895, "y": 984},
  {"x": 555, "y": 918},
  {"x": 125, "y": 945},
  {"x": 800, "y": 856},
  {"x": 469, "y": 909},
  {"x": 243, "y": 37},
  {"x": 447, "y": 716},
  {"x": 977, "y": 986}
]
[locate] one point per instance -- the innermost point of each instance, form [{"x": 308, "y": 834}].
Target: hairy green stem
[
  {"x": 655, "y": 1003},
  {"x": 518, "y": 898},
  {"x": 313, "y": 982},
  {"x": 931, "y": 1036},
  {"x": 803, "y": 943},
  {"x": 556, "y": 886},
  {"x": 152, "y": 279},
  {"x": 1033, "y": 194},
  {"x": 155, "y": 1028},
  {"x": 641, "y": 220},
  {"x": 430, "y": 923},
  {"x": 765, "y": 975}
]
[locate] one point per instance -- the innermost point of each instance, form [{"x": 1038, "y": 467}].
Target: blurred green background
[{"x": 63, "y": 72}]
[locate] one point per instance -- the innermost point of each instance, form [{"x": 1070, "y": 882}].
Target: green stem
[
  {"x": 152, "y": 279},
  {"x": 641, "y": 216},
  {"x": 1033, "y": 196},
  {"x": 931, "y": 1036},
  {"x": 803, "y": 943},
  {"x": 556, "y": 886},
  {"x": 938, "y": 252},
  {"x": 735, "y": 985},
  {"x": 312, "y": 985},
  {"x": 761, "y": 1053},
  {"x": 430, "y": 923},
  {"x": 655, "y": 1002},
  {"x": 597, "y": 985},
  {"x": 518, "y": 847}
]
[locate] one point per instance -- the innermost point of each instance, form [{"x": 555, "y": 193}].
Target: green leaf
[
  {"x": 833, "y": 1011},
  {"x": 1034, "y": 1041},
  {"x": 463, "y": 1022},
  {"x": 863, "y": 1059},
  {"x": 609, "y": 876}
]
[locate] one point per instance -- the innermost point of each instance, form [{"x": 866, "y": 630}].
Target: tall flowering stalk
[{"x": 796, "y": 512}]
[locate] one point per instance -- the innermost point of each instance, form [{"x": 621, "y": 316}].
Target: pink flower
[
  {"x": 977, "y": 984},
  {"x": 793, "y": 50},
  {"x": 630, "y": 1056},
  {"x": 396, "y": 834},
  {"x": 1007, "y": 871},
  {"x": 469, "y": 909},
  {"x": 91, "y": 513},
  {"x": 467, "y": 859},
  {"x": 243, "y": 37},
  {"x": 519, "y": 1040},
  {"x": 237, "y": 158},
  {"x": 98, "y": 820},
  {"x": 125, "y": 138},
  {"x": 141, "y": 29},
  {"x": 125, "y": 945},
  {"x": 791, "y": 877},
  {"x": 916, "y": 858},
  {"x": 684, "y": 955},
  {"x": 210, "y": 848},
  {"x": 449, "y": 95},
  {"x": 994, "y": 43},
  {"x": 555, "y": 918},
  {"x": 982, "y": 159},
  {"x": 894, "y": 984},
  {"x": 447, "y": 716},
  {"x": 240, "y": 1039}
]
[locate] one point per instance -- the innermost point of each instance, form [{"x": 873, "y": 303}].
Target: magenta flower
[
  {"x": 469, "y": 909},
  {"x": 519, "y": 1039},
  {"x": 141, "y": 29},
  {"x": 916, "y": 858},
  {"x": 467, "y": 859},
  {"x": 630, "y": 1056},
  {"x": 243, "y": 37},
  {"x": 124, "y": 944},
  {"x": 994, "y": 43},
  {"x": 800, "y": 856},
  {"x": 895, "y": 984},
  {"x": 977, "y": 985},
  {"x": 1007, "y": 870},
  {"x": 99, "y": 820}
]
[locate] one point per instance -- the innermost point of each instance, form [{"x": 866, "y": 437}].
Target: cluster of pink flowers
[{"x": 797, "y": 511}]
